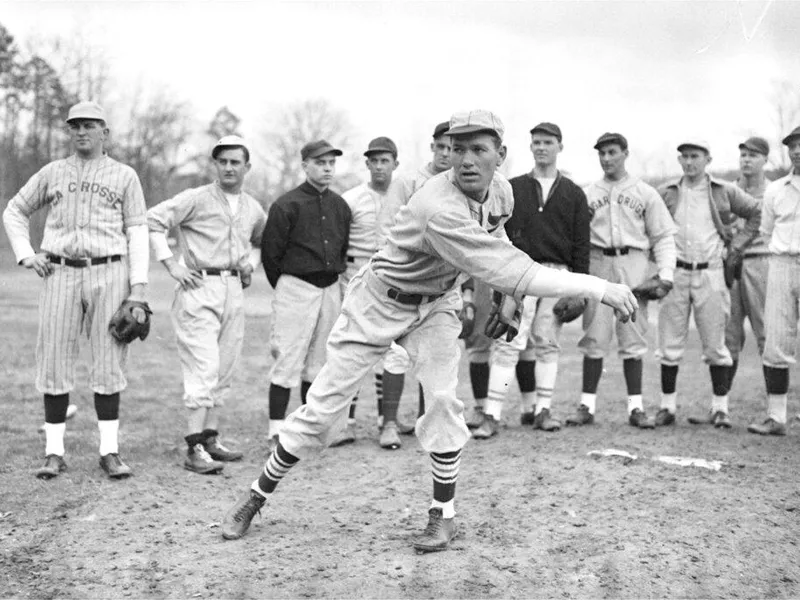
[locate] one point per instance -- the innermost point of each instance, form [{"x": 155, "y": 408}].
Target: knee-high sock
[
  {"x": 278, "y": 401},
  {"x": 444, "y": 466},
  {"x": 500, "y": 379},
  {"x": 632, "y": 369},
  {"x": 392, "y": 392},
  {"x": 107, "y": 408},
  {"x": 669, "y": 379},
  {"x": 479, "y": 379},
  {"x": 421, "y": 407},
  {"x": 526, "y": 378},
  {"x": 720, "y": 379},
  {"x": 277, "y": 466},
  {"x": 55, "y": 423},
  {"x": 546, "y": 373},
  {"x": 304, "y": 387},
  {"x": 777, "y": 382}
]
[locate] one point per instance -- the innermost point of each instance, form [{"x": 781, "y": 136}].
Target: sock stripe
[{"x": 445, "y": 467}]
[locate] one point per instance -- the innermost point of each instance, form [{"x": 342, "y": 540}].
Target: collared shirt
[
  {"x": 307, "y": 236},
  {"x": 440, "y": 237},
  {"x": 92, "y": 204},
  {"x": 697, "y": 240},
  {"x": 210, "y": 234},
  {"x": 759, "y": 245},
  {"x": 366, "y": 205},
  {"x": 780, "y": 221}
]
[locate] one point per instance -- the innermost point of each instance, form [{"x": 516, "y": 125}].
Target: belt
[
  {"x": 83, "y": 262},
  {"x": 414, "y": 299},
  {"x": 691, "y": 266},
  {"x": 219, "y": 271},
  {"x": 616, "y": 251}
]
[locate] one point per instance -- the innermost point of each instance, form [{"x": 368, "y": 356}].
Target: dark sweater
[{"x": 556, "y": 231}]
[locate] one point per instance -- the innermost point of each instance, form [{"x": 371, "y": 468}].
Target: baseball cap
[
  {"x": 441, "y": 129},
  {"x": 381, "y": 144},
  {"x": 475, "y": 120},
  {"x": 229, "y": 141},
  {"x": 86, "y": 110},
  {"x": 791, "y": 137},
  {"x": 611, "y": 138},
  {"x": 695, "y": 143},
  {"x": 317, "y": 149},
  {"x": 756, "y": 144},
  {"x": 549, "y": 129}
]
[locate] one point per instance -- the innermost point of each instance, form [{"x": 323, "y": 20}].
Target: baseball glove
[
  {"x": 654, "y": 288},
  {"x": 504, "y": 317},
  {"x": 733, "y": 267},
  {"x": 123, "y": 325},
  {"x": 567, "y": 310},
  {"x": 467, "y": 318}
]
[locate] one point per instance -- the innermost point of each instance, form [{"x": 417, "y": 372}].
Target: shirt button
[
  {"x": 323, "y": 218},
  {"x": 326, "y": 241}
]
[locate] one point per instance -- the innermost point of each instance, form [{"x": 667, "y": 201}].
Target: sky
[{"x": 659, "y": 72}]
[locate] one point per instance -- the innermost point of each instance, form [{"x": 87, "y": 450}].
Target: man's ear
[{"x": 502, "y": 151}]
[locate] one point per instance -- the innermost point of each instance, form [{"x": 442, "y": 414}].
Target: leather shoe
[
  {"x": 638, "y": 418},
  {"x": 664, "y": 417},
  {"x": 344, "y": 437},
  {"x": 237, "y": 520},
  {"x": 717, "y": 418},
  {"x": 488, "y": 428},
  {"x": 722, "y": 420},
  {"x": 581, "y": 417},
  {"x": 404, "y": 429},
  {"x": 475, "y": 419},
  {"x": 545, "y": 422},
  {"x": 217, "y": 451},
  {"x": 389, "y": 439},
  {"x": 114, "y": 467},
  {"x": 768, "y": 427},
  {"x": 437, "y": 535},
  {"x": 200, "y": 461},
  {"x": 527, "y": 418},
  {"x": 53, "y": 466}
]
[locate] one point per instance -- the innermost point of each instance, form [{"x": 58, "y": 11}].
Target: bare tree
[{"x": 786, "y": 100}]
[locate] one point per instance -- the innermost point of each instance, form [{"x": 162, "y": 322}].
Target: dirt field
[{"x": 538, "y": 517}]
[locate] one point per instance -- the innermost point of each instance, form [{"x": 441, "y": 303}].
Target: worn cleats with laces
[
  {"x": 53, "y": 466},
  {"x": 638, "y": 418},
  {"x": 406, "y": 428},
  {"x": 390, "y": 439},
  {"x": 545, "y": 422},
  {"x": 344, "y": 437},
  {"x": 114, "y": 467},
  {"x": 200, "y": 461},
  {"x": 437, "y": 535},
  {"x": 488, "y": 428},
  {"x": 768, "y": 427},
  {"x": 718, "y": 419},
  {"x": 664, "y": 418},
  {"x": 527, "y": 418},
  {"x": 582, "y": 416},
  {"x": 238, "y": 518},
  {"x": 475, "y": 418},
  {"x": 217, "y": 451}
]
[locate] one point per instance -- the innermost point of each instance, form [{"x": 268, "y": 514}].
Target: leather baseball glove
[
  {"x": 124, "y": 326},
  {"x": 654, "y": 288},
  {"x": 504, "y": 317},
  {"x": 733, "y": 267},
  {"x": 467, "y": 318},
  {"x": 567, "y": 310}
]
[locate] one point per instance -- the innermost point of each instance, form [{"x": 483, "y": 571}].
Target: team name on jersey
[
  {"x": 112, "y": 197},
  {"x": 633, "y": 204}
]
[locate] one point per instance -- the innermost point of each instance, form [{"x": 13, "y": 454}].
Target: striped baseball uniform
[
  {"x": 209, "y": 320},
  {"x": 92, "y": 203}
]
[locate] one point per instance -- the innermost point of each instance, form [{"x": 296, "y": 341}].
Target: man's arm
[
  {"x": 160, "y": 219},
  {"x": 747, "y": 207},
  {"x": 768, "y": 211},
  {"x": 274, "y": 242},
  {"x": 660, "y": 229},
  {"x": 16, "y": 219},
  {"x": 581, "y": 233}
]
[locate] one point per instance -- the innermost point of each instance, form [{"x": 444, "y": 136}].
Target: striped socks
[
  {"x": 444, "y": 466},
  {"x": 278, "y": 465}
]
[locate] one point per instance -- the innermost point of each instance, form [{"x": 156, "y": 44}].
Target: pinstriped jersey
[
  {"x": 367, "y": 208},
  {"x": 91, "y": 202}
]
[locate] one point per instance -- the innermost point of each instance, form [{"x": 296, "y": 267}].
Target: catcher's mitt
[
  {"x": 504, "y": 317},
  {"x": 123, "y": 325},
  {"x": 567, "y": 310},
  {"x": 733, "y": 267},
  {"x": 467, "y": 318},
  {"x": 654, "y": 288}
]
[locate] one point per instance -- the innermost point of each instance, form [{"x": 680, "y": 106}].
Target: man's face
[
  {"x": 694, "y": 161},
  {"x": 231, "y": 168},
  {"x": 751, "y": 162},
  {"x": 545, "y": 149},
  {"x": 381, "y": 165},
  {"x": 612, "y": 159},
  {"x": 475, "y": 158},
  {"x": 320, "y": 170},
  {"x": 441, "y": 148},
  {"x": 794, "y": 154},
  {"x": 88, "y": 136}
]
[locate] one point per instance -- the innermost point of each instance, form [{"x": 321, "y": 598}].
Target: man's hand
[
  {"x": 733, "y": 267},
  {"x": 620, "y": 297},
  {"x": 186, "y": 277},
  {"x": 504, "y": 317},
  {"x": 467, "y": 318},
  {"x": 246, "y": 275},
  {"x": 39, "y": 263}
]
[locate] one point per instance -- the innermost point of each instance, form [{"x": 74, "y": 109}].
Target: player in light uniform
[
  {"x": 749, "y": 289},
  {"x": 219, "y": 233},
  {"x": 780, "y": 225},
  {"x": 704, "y": 208},
  {"x": 304, "y": 250},
  {"x": 629, "y": 219},
  {"x": 410, "y": 293},
  {"x": 94, "y": 255},
  {"x": 367, "y": 203}
]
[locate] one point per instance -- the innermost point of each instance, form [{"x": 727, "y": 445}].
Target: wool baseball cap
[
  {"x": 792, "y": 136},
  {"x": 229, "y": 141},
  {"x": 475, "y": 120},
  {"x": 441, "y": 129},
  {"x": 695, "y": 143},
  {"x": 549, "y": 129},
  {"x": 381, "y": 144},
  {"x": 86, "y": 110},
  {"x": 756, "y": 144},
  {"x": 611, "y": 138},
  {"x": 317, "y": 149}
]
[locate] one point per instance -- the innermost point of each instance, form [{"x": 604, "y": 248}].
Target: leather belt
[
  {"x": 616, "y": 251},
  {"x": 691, "y": 266},
  {"x": 83, "y": 262},
  {"x": 219, "y": 272},
  {"x": 412, "y": 299}
]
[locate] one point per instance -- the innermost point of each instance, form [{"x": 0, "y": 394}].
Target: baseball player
[
  {"x": 629, "y": 219},
  {"x": 367, "y": 203},
  {"x": 94, "y": 255},
  {"x": 703, "y": 208},
  {"x": 780, "y": 224},
  {"x": 410, "y": 293},
  {"x": 551, "y": 224},
  {"x": 749, "y": 289},
  {"x": 304, "y": 250},
  {"x": 219, "y": 231}
]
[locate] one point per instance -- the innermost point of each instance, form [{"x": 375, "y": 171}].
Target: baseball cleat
[
  {"x": 437, "y": 535},
  {"x": 71, "y": 410},
  {"x": 200, "y": 461},
  {"x": 219, "y": 452},
  {"x": 723, "y": 420},
  {"x": 53, "y": 466},
  {"x": 475, "y": 418},
  {"x": 238, "y": 518},
  {"x": 390, "y": 440},
  {"x": 768, "y": 427},
  {"x": 488, "y": 428},
  {"x": 114, "y": 467},
  {"x": 527, "y": 418},
  {"x": 638, "y": 418},
  {"x": 664, "y": 418},
  {"x": 717, "y": 418},
  {"x": 545, "y": 422},
  {"x": 581, "y": 417},
  {"x": 344, "y": 437},
  {"x": 406, "y": 429}
]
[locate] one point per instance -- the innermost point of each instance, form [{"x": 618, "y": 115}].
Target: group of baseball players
[{"x": 387, "y": 278}]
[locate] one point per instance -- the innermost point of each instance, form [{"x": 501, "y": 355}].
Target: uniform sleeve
[
  {"x": 768, "y": 212},
  {"x": 274, "y": 241},
  {"x": 747, "y": 207},
  {"x": 581, "y": 242},
  {"x": 134, "y": 208},
  {"x": 660, "y": 229},
  {"x": 170, "y": 213},
  {"x": 347, "y": 220},
  {"x": 395, "y": 199},
  {"x": 17, "y": 215},
  {"x": 258, "y": 226}
]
